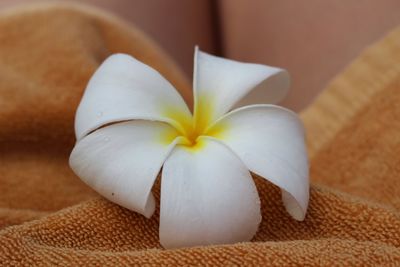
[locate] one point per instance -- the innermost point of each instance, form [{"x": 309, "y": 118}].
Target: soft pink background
[{"x": 313, "y": 39}]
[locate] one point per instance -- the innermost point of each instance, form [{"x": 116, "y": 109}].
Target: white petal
[
  {"x": 124, "y": 88},
  {"x": 207, "y": 197},
  {"x": 270, "y": 141},
  {"x": 219, "y": 84},
  {"x": 121, "y": 161}
]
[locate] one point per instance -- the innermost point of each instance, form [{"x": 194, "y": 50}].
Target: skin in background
[{"x": 314, "y": 40}]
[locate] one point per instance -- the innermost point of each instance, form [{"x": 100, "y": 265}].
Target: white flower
[{"x": 131, "y": 122}]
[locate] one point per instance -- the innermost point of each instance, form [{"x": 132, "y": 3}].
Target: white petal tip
[
  {"x": 150, "y": 207},
  {"x": 298, "y": 215},
  {"x": 293, "y": 207}
]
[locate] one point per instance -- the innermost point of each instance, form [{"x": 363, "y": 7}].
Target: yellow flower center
[{"x": 192, "y": 128}]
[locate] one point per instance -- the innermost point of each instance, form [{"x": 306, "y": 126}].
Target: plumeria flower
[{"x": 131, "y": 122}]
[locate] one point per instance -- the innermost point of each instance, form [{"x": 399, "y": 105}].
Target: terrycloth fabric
[{"x": 48, "y": 217}]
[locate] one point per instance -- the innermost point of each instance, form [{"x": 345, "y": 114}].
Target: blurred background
[{"x": 312, "y": 39}]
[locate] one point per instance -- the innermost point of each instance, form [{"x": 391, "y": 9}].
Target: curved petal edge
[
  {"x": 270, "y": 141},
  {"x": 122, "y": 89},
  {"x": 122, "y": 161},
  {"x": 219, "y": 84}
]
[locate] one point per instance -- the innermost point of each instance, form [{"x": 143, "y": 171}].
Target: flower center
[
  {"x": 192, "y": 135},
  {"x": 192, "y": 128},
  {"x": 199, "y": 124}
]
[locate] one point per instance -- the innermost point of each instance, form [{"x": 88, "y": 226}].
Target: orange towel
[{"x": 48, "y": 217}]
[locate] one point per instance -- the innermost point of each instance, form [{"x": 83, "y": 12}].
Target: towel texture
[{"x": 49, "y": 217}]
